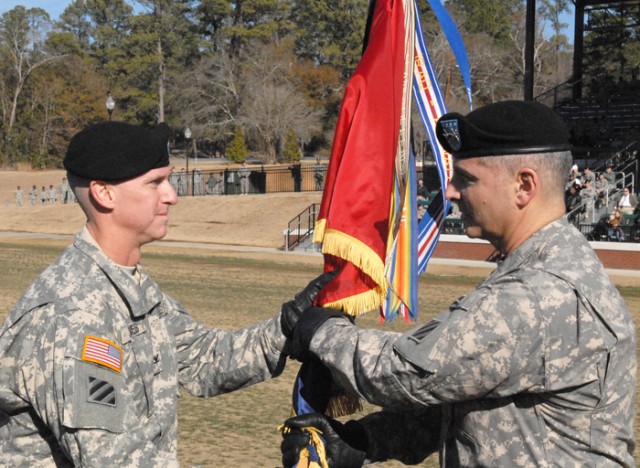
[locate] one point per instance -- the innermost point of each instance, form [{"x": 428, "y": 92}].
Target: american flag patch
[{"x": 102, "y": 352}]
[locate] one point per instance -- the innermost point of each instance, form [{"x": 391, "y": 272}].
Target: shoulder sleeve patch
[
  {"x": 103, "y": 352},
  {"x": 94, "y": 397},
  {"x": 101, "y": 392}
]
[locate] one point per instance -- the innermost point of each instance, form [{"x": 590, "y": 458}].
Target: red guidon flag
[{"x": 353, "y": 222}]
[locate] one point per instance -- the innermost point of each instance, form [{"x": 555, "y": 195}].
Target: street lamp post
[
  {"x": 195, "y": 153},
  {"x": 111, "y": 104},
  {"x": 194, "y": 192},
  {"x": 187, "y": 135}
]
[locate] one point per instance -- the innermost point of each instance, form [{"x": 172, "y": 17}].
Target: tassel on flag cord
[{"x": 367, "y": 222}]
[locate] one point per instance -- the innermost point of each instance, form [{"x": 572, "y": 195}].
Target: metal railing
[
  {"x": 262, "y": 179},
  {"x": 599, "y": 232},
  {"x": 301, "y": 227},
  {"x": 628, "y": 175},
  {"x": 562, "y": 93}
]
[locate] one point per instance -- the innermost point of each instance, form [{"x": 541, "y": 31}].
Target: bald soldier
[
  {"x": 535, "y": 367},
  {"x": 93, "y": 354}
]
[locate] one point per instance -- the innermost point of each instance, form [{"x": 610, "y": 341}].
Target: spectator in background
[
  {"x": 65, "y": 191},
  {"x": 52, "y": 195},
  {"x": 602, "y": 190},
  {"x": 243, "y": 174},
  {"x": 626, "y": 202},
  {"x": 219, "y": 190},
  {"x": 33, "y": 195},
  {"x": 614, "y": 232},
  {"x": 231, "y": 181},
  {"x": 611, "y": 177},
  {"x": 72, "y": 196},
  {"x": 212, "y": 183},
  {"x": 44, "y": 196},
  {"x": 318, "y": 174},
  {"x": 571, "y": 181},
  {"x": 198, "y": 182},
  {"x": 588, "y": 176},
  {"x": 575, "y": 172},
  {"x": 183, "y": 183},
  {"x": 296, "y": 173},
  {"x": 572, "y": 200},
  {"x": 588, "y": 197},
  {"x": 422, "y": 190},
  {"x": 18, "y": 194}
]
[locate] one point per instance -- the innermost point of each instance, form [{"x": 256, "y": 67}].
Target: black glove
[
  {"x": 292, "y": 310},
  {"x": 345, "y": 444},
  {"x": 308, "y": 324}
]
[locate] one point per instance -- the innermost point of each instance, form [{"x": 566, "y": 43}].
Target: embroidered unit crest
[{"x": 451, "y": 132}]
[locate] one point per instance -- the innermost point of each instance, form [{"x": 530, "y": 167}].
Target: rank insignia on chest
[{"x": 103, "y": 352}]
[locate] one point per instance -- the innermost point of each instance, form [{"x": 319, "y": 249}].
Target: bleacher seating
[{"x": 605, "y": 130}]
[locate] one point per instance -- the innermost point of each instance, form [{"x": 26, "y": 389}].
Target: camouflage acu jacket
[
  {"x": 536, "y": 367},
  {"x": 91, "y": 361}
]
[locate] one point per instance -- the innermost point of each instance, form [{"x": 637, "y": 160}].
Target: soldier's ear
[
  {"x": 101, "y": 194},
  {"x": 528, "y": 185}
]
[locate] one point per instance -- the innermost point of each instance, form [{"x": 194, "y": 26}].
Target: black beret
[
  {"x": 117, "y": 151},
  {"x": 503, "y": 128}
]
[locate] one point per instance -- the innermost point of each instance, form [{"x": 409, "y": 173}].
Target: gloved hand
[
  {"x": 308, "y": 324},
  {"x": 345, "y": 444},
  {"x": 292, "y": 310}
]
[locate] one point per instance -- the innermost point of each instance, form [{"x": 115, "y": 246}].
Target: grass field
[{"x": 228, "y": 291}]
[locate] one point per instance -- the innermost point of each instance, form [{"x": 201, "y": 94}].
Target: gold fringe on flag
[
  {"x": 349, "y": 248},
  {"x": 359, "y": 304}
]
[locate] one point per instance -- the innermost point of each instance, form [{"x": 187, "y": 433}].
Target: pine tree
[
  {"x": 237, "y": 149},
  {"x": 291, "y": 151},
  {"x": 330, "y": 32}
]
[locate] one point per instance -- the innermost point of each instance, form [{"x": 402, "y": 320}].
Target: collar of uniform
[
  {"x": 140, "y": 298},
  {"x": 531, "y": 246}
]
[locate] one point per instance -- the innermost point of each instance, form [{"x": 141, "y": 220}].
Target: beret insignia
[{"x": 451, "y": 132}]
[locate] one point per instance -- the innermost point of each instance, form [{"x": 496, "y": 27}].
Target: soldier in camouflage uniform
[
  {"x": 93, "y": 354},
  {"x": 535, "y": 367}
]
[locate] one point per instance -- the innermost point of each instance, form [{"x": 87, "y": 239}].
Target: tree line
[{"x": 267, "y": 71}]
